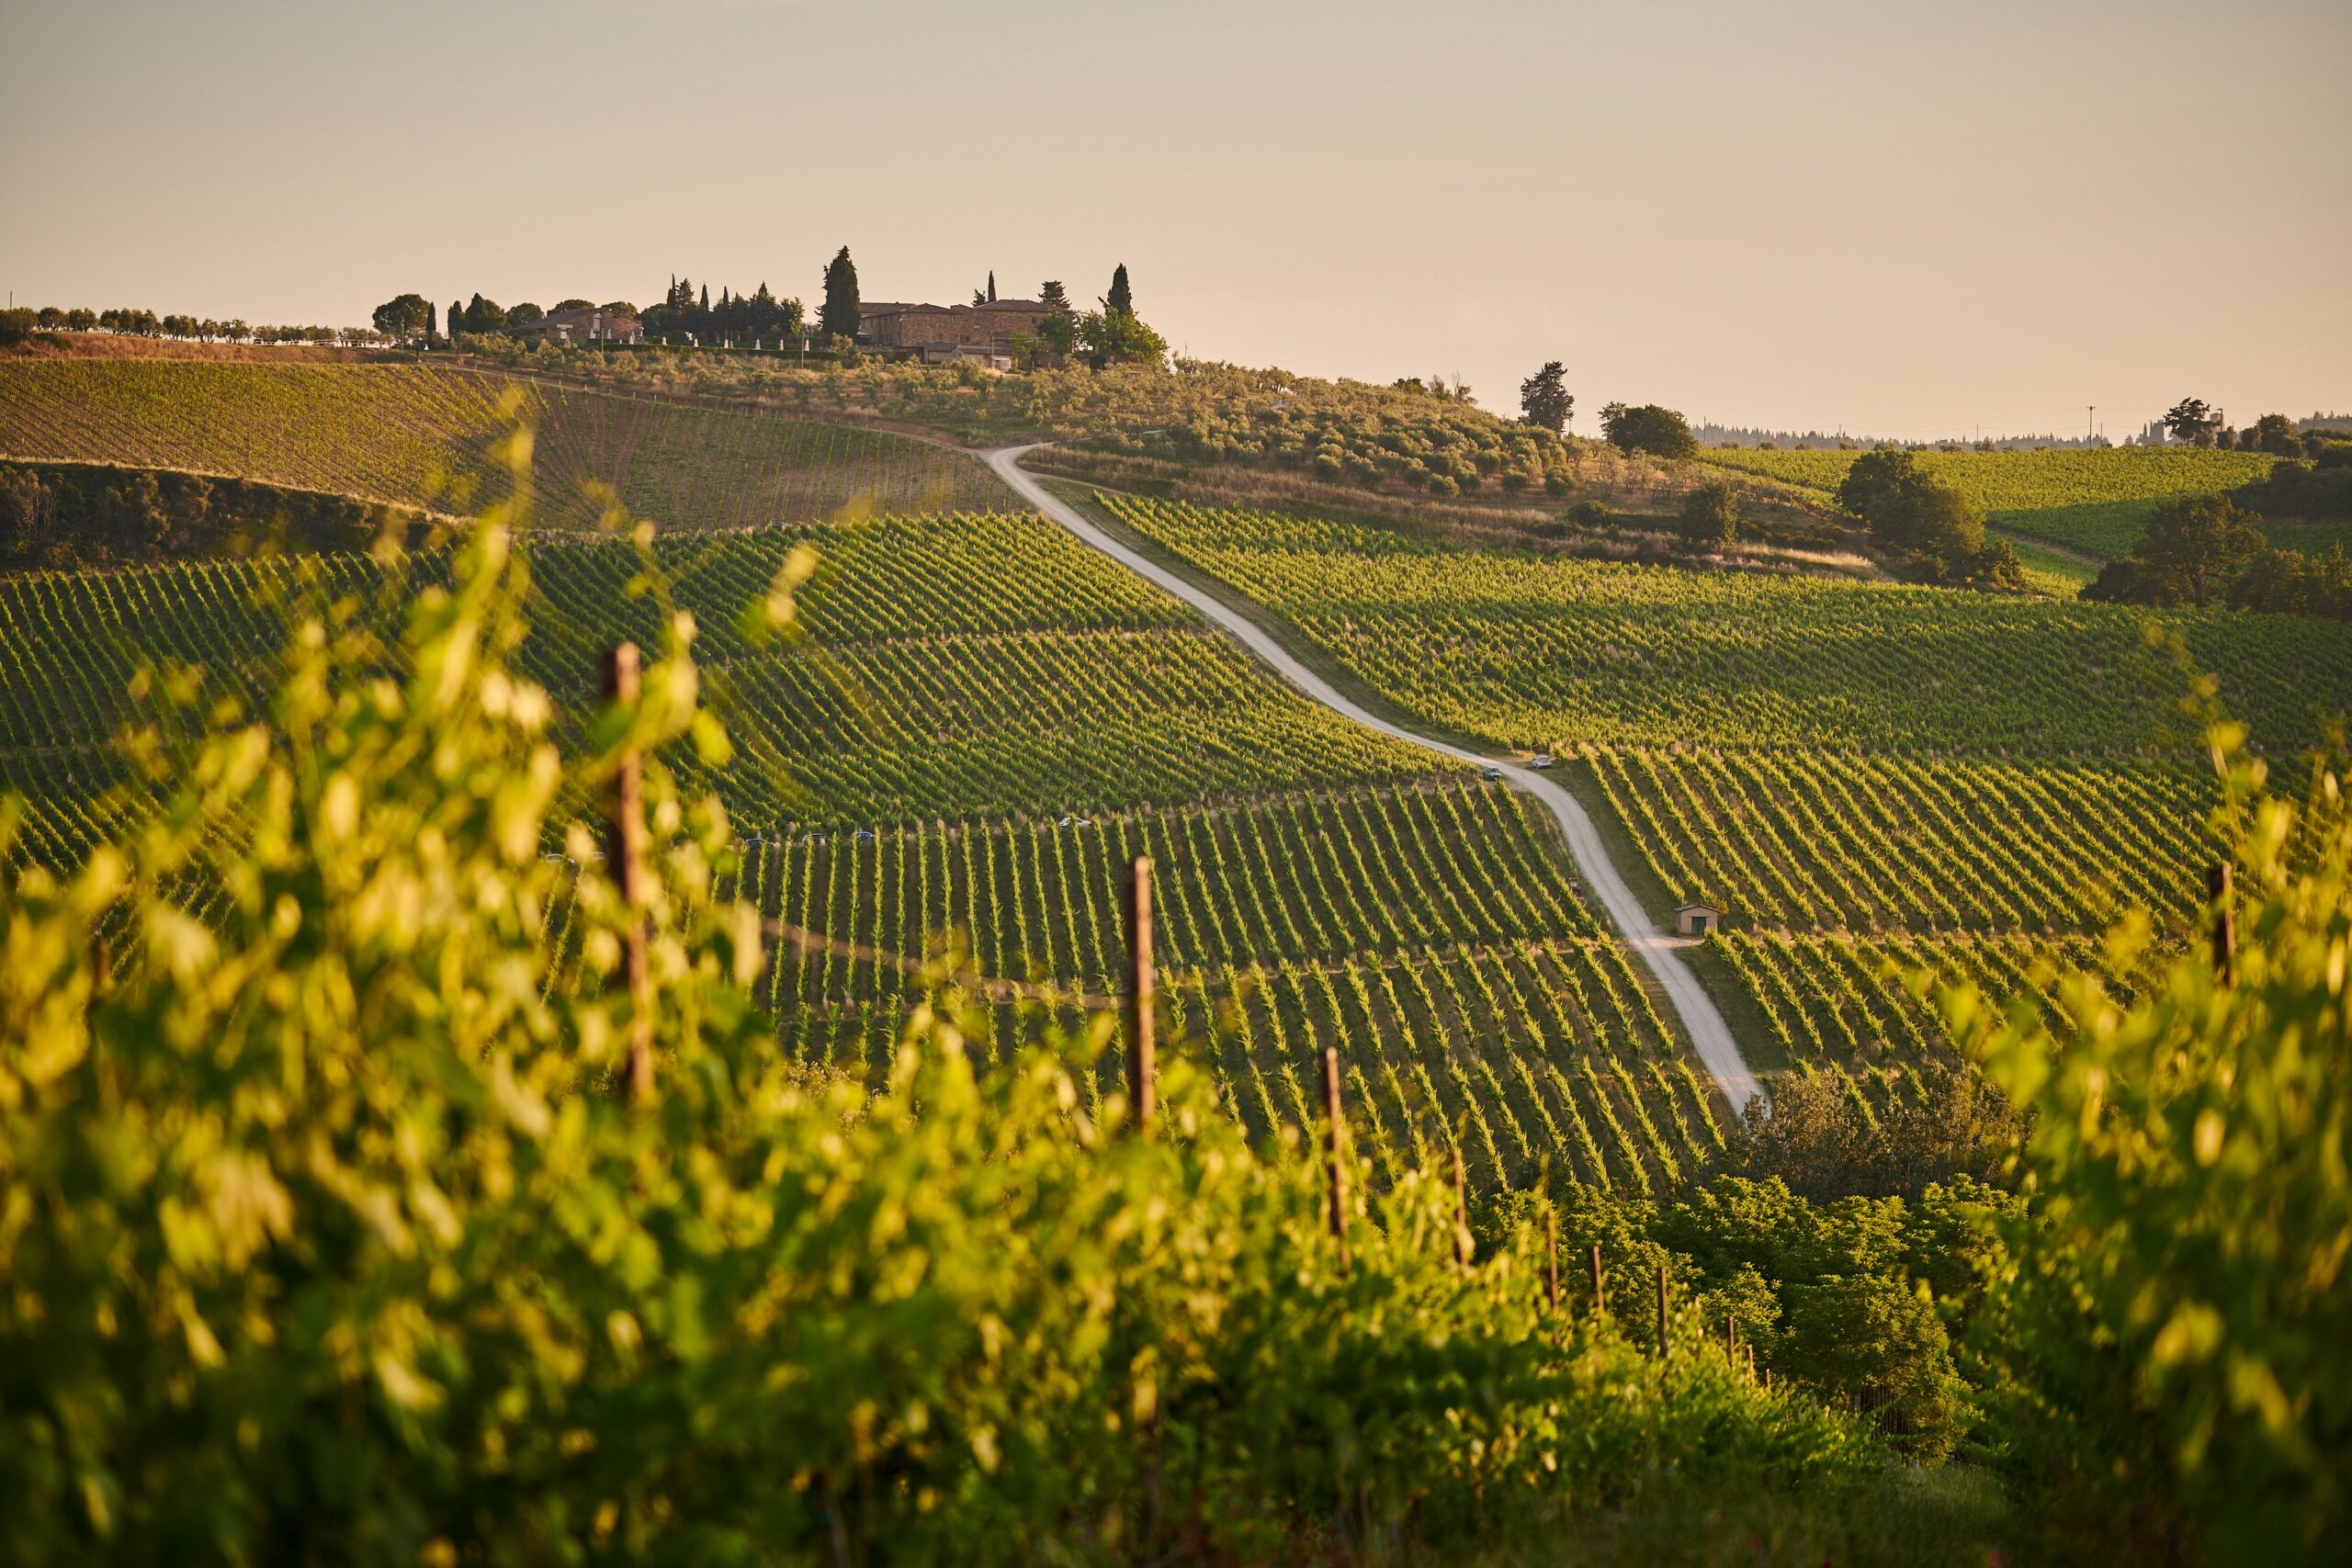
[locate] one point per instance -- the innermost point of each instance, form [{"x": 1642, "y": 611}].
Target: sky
[{"x": 1891, "y": 218}]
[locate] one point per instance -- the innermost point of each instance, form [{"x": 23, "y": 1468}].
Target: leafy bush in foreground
[
  {"x": 2166, "y": 1357},
  {"x": 327, "y": 1236}
]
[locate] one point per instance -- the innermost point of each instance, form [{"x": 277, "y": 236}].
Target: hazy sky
[{"x": 1904, "y": 219}]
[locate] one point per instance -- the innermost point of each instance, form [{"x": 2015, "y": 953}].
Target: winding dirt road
[{"x": 1705, "y": 1025}]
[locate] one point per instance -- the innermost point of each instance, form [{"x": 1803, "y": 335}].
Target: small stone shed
[{"x": 1698, "y": 920}]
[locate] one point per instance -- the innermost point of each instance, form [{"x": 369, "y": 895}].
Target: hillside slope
[
  {"x": 1869, "y": 780},
  {"x": 985, "y": 722},
  {"x": 2093, "y": 502},
  {"x": 419, "y": 436}
]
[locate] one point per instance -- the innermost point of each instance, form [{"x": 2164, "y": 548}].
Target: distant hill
[{"x": 2094, "y": 500}]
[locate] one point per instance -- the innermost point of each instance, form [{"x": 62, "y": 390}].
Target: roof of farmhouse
[{"x": 886, "y": 307}]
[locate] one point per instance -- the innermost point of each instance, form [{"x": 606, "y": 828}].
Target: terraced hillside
[
  {"x": 2096, "y": 502},
  {"x": 985, "y": 722},
  {"x": 1862, "y": 776},
  {"x": 419, "y": 436}
]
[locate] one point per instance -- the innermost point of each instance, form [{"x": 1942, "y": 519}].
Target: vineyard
[
  {"x": 420, "y": 436},
  {"x": 1870, "y": 781},
  {"x": 1533, "y": 652},
  {"x": 985, "y": 722},
  {"x": 1809, "y": 840},
  {"x": 2095, "y": 501},
  {"x": 1427, "y": 931}
]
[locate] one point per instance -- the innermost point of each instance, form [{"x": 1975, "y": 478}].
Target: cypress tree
[
  {"x": 1121, "y": 298},
  {"x": 432, "y": 321},
  {"x": 840, "y": 313},
  {"x": 991, "y": 285},
  {"x": 457, "y": 316}
]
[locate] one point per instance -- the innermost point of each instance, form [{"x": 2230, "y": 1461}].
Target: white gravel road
[{"x": 1703, "y": 1023}]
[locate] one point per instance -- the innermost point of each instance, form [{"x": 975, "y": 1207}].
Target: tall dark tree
[
  {"x": 457, "y": 317},
  {"x": 2275, "y": 433},
  {"x": 404, "y": 316},
  {"x": 838, "y": 316},
  {"x": 1544, "y": 399},
  {"x": 2192, "y": 419},
  {"x": 432, "y": 321},
  {"x": 1121, "y": 299},
  {"x": 2202, "y": 541},
  {"x": 705, "y": 307},
  {"x": 1649, "y": 428},
  {"x": 1052, "y": 294}
]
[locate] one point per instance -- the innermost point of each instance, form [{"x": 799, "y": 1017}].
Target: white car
[{"x": 1540, "y": 759}]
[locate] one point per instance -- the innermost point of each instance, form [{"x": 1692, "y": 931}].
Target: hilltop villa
[{"x": 950, "y": 332}]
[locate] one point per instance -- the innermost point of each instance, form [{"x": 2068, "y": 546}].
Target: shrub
[
  {"x": 2168, "y": 1350},
  {"x": 1708, "y": 519}
]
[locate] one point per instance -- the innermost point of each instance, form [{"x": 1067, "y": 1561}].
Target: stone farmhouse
[
  {"x": 949, "y": 331},
  {"x": 595, "y": 326}
]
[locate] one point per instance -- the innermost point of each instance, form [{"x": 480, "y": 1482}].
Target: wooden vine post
[
  {"x": 1731, "y": 1340},
  {"x": 1142, "y": 1069},
  {"x": 1551, "y": 1260},
  {"x": 1661, "y": 1312},
  {"x": 2225, "y": 923},
  {"x": 625, "y": 855},
  {"x": 1461, "y": 1213},
  {"x": 1599, "y": 1288},
  {"x": 1339, "y": 1171}
]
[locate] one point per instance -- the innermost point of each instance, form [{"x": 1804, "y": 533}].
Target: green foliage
[
  {"x": 60, "y": 516},
  {"x": 405, "y": 317},
  {"x": 2287, "y": 582},
  {"x": 327, "y": 1236},
  {"x": 1058, "y": 334},
  {"x": 1850, "y": 1298},
  {"x": 1544, "y": 401},
  {"x": 480, "y": 315},
  {"x": 2311, "y": 491},
  {"x": 1649, "y": 428},
  {"x": 1823, "y": 1141},
  {"x": 2191, "y": 550},
  {"x": 2275, "y": 433},
  {"x": 1121, "y": 299},
  {"x": 2169, "y": 1345},
  {"x": 1116, "y": 337},
  {"x": 2093, "y": 500},
  {"x": 1708, "y": 518},
  {"x": 1838, "y": 1306},
  {"x": 2193, "y": 421}
]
